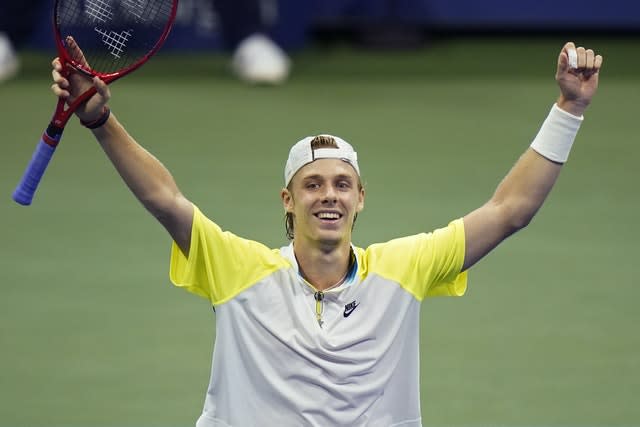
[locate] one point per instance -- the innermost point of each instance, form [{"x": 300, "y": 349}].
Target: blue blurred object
[
  {"x": 197, "y": 26},
  {"x": 490, "y": 14}
]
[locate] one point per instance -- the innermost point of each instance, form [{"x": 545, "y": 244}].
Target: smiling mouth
[{"x": 329, "y": 216}]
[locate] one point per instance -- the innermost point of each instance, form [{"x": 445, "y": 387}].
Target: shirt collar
[{"x": 288, "y": 253}]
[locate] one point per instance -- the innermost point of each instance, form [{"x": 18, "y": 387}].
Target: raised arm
[
  {"x": 524, "y": 189},
  {"x": 147, "y": 178}
]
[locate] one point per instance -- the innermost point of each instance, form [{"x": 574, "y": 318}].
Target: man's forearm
[
  {"x": 525, "y": 188},
  {"x": 143, "y": 173}
]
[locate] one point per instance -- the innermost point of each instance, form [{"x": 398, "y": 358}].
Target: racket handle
[{"x": 23, "y": 194}]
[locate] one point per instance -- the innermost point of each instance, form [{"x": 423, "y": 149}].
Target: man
[{"x": 322, "y": 332}]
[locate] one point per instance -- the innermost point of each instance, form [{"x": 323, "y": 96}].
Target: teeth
[{"x": 328, "y": 215}]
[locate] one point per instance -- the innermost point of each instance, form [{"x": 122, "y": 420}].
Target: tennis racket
[{"x": 115, "y": 37}]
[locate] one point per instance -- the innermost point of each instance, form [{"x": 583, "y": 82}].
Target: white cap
[{"x": 302, "y": 154}]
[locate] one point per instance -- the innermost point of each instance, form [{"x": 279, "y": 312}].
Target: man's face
[{"x": 324, "y": 197}]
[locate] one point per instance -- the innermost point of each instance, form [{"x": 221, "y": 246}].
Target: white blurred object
[
  {"x": 573, "y": 58},
  {"x": 259, "y": 60},
  {"x": 9, "y": 63}
]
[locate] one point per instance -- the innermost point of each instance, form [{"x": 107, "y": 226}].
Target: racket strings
[{"x": 113, "y": 35}]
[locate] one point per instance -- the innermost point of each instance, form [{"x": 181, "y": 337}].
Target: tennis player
[{"x": 322, "y": 332}]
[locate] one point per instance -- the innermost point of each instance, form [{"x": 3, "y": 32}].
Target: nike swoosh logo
[{"x": 349, "y": 308}]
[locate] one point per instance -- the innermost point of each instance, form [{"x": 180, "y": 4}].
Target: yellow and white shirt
[{"x": 275, "y": 364}]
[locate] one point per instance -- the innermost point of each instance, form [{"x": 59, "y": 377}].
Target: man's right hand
[{"x": 68, "y": 84}]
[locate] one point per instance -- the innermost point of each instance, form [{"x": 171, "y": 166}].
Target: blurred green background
[{"x": 92, "y": 333}]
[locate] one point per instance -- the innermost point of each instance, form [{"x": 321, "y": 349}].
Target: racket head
[{"x": 115, "y": 36}]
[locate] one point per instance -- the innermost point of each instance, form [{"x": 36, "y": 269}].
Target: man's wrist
[
  {"x": 556, "y": 135},
  {"x": 98, "y": 122},
  {"x": 573, "y": 107}
]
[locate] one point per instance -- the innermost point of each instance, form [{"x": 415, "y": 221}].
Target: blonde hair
[{"x": 323, "y": 141}]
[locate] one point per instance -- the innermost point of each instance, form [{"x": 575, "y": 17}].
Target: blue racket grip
[{"x": 24, "y": 192}]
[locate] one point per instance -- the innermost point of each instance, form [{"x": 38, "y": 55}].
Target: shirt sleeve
[
  {"x": 220, "y": 264},
  {"x": 426, "y": 264}
]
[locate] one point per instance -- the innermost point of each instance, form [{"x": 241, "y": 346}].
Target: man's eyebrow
[
  {"x": 314, "y": 176},
  {"x": 322, "y": 177},
  {"x": 345, "y": 176}
]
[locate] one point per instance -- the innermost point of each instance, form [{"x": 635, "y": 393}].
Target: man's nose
[{"x": 330, "y": 194}]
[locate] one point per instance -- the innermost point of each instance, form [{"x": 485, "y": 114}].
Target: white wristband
[{"x": 556, "y": 135}]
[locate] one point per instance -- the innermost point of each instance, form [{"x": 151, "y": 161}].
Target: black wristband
[{"x": 106, "y": 112}]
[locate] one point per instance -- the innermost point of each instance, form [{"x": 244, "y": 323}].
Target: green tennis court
[{"x": 93, "y": 334}]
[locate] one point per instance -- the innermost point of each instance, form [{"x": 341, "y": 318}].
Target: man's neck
[{"x": 324, "y": 268}]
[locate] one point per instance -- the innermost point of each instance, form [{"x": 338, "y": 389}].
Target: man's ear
[
  {"x": 287, "y": 200},
  {"x": 360, "y": 206}
]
